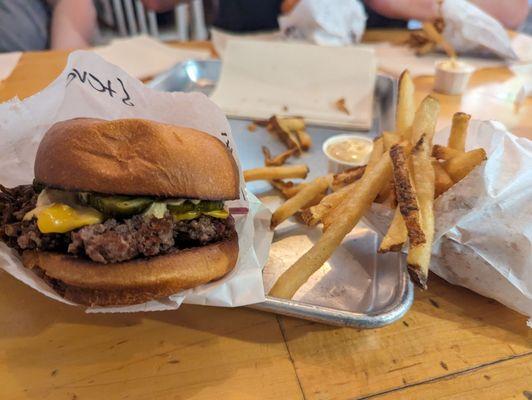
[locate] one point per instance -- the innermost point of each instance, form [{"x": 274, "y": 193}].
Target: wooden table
[{"x": 453, "y": 344}]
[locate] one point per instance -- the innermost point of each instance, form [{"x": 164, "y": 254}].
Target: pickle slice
[{"x": 119, "y": 206}]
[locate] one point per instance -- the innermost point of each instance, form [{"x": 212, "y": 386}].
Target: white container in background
[{"x": 452, "y": 77}]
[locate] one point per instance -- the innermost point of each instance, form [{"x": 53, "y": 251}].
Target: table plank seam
[
  {"x": 445, "y": 377},
  {"x": 283, "y": 333}
]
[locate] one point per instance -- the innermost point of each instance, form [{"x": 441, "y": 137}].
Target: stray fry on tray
[
  {"x": 300, "y": 200},
  {"x": 460, "y": 166},
  {"x": 340, "y": 106},
  {"x": 291, "y": 131},
  {"x": 287, "y": 189},
  {"x": 457, "y": 138},
  {"x": 252, "y": 127},
  {"x": 279, "y": 159},
  {"x": 418, "y": 258},
  {"x": 406, "y": 196},
  {"x": 350, "y": 211},
  {"x": 271, "y": 173}
]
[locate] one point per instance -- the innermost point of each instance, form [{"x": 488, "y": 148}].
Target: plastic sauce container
[
  {"x": 452, "y": 76},
  {"x": 346, "y": 151}
]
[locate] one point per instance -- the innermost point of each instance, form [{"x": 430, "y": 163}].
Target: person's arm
[
  {"x": 511, "y": 13},
  {"x": 73, "y": 24}
]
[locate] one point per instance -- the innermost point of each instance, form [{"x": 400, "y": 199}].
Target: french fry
[
  {"x": 436, "y": 37},
  {"x": 396, "y": 235},
  {"x": 314, "y": 215},
  {"x": 457, "y": 138},
  {"x": 460, "y": 166},
  {"x": 279, "y": 159},
  {"x": 271, "y": 173},
  {"x": 350, "y": 211},
  {"x": 425, "y": 120},
  {"x": 404, "y": 114},
  {"x": 340, "y": 106},
  {"x": 418, "y": 258},
  {"x": 425, "y": 48},
  {"x": 444, "y": 153},
  {"x": 304, "y": 138},
  {"x": 389, "y": 139},
  {"x": 442, "y": 180},
  {"x": 287, "y": 189},
  {"x": 300, "y": 200},
  {"x": 406, "y": 196},
  {"x": 376, "y": 153},
  {"x": 346, "y": 177}
]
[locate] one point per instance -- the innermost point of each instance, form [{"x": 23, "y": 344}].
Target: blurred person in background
[
  {"x": 40, "y": 24},
  {"x": 261, "y": 15}
]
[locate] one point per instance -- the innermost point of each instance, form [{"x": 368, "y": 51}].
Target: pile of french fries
[
  {"x": 405, "y": 171},
  {"x": 429, "y": 38}
]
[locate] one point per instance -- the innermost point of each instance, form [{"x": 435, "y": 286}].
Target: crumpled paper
[
  {"x": 91, "y": 87},
  {"x": 469, "y": 29},
  {"x": 483, "y": 238},
  {"x": 323, "y": 22}
]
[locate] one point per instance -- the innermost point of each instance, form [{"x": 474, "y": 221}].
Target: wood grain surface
[{"x": 453, "y": 344}]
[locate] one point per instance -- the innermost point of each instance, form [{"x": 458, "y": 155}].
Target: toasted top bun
[
  {"x": 136, "y": 157},
  {"x": 135, "y": 281}
]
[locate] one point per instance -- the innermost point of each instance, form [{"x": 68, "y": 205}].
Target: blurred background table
[{"x": 452, "y": 344}]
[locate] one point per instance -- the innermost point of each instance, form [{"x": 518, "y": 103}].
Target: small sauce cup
[
  {"x": 347, "y": 151},
  {"x": 452, "y": 76}
]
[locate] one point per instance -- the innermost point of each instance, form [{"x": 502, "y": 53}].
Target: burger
[{"x": 124, "y": 211}]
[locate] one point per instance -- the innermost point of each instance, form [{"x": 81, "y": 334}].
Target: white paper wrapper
[
  {"x": 91, "y": 87},
  {"x": 323, "y": 23},
  {"x": 483, "y": 238},
  {"x": 469, "y": 29}
]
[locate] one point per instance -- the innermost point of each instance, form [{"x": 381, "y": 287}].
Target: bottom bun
[{"x": 136, "y": 281}]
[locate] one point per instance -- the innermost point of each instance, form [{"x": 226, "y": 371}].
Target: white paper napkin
[
  {"x": 144, "y": 57},
  {"x": 260, "y": 79}
]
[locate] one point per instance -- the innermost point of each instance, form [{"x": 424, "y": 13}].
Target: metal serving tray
[{"x": 357, "y": 287}]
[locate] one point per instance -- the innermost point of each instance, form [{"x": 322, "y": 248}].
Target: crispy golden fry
[
  {"x": 406, "y": 196},
  {"x": 376, "y": 153},
  {"x": 396, "y": 235},
  {"x": 389, "y": 139},
  {"x": 261, "y": 122},
  {"x": 271, "y": 173},
  {"x": 460, "y": 166},
  {"x": 418, "y": 258},
  {"x": 444, "y": 153},
  {"x": 291, "y": 130},
  {"x": 457, "y": 138},
  {"x": 252, "y": 127},
  {"x": 279, "y": 159},
  {"x": 404, "y": 114},
  {"x": 442, "y": 180},
  {"x": 287, "y": 188},
  {"x": 350, "y": 211},
  {"x": 346, "y": 177},
  {"x": 314, "y": 215},
  {"x": 340, "y": 106},
  {"x": 436, "y": 37},
  {"x": 304, "y": 138},
  {"x": 300, "y": 200},
  {"x": 425, "y": 120}
]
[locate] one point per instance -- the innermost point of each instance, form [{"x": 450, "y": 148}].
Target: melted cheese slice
[{"x": 61, "y": 218}]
